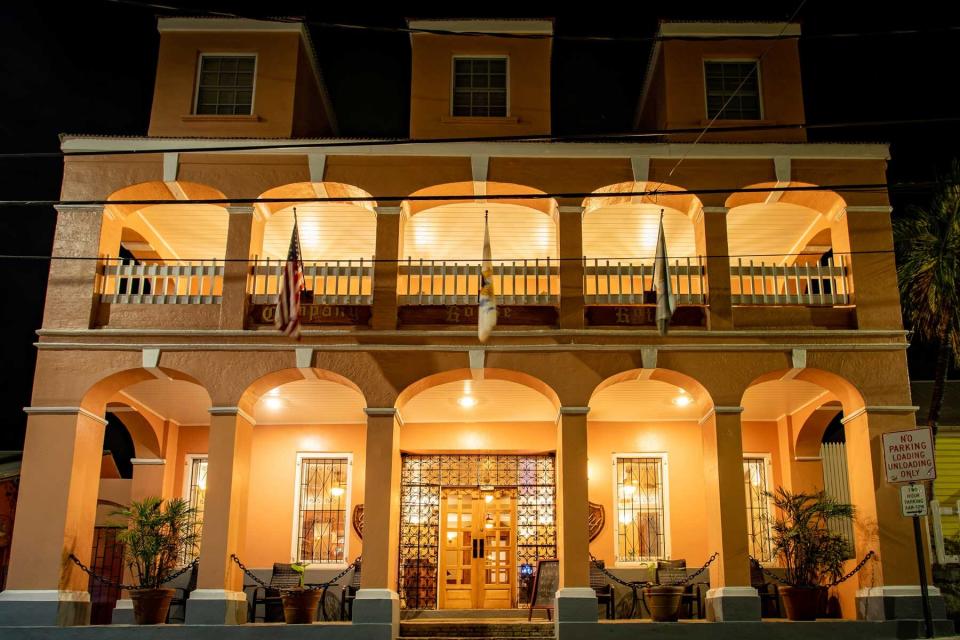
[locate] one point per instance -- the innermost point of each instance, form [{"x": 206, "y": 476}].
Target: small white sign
[
  {"x": 913, "y": 500},
  {"x": 908, "y": 456}
]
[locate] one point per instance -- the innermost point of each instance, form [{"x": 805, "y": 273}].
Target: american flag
[{"x": 291, "y": 285}]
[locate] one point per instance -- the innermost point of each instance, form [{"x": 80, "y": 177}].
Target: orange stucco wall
[{"x": 528, "y": 93}]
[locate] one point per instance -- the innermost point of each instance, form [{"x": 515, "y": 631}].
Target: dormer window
[
  {"x": 723, "y": 77},
  {"x": 480, "y": 87},
  {"x": 225, "y": 85}
]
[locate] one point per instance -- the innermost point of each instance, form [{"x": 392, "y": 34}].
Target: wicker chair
[
  {"x": 675, "y": 571},
  {"x": 769, "y": 592},
  {"x": 182, "y": 594},
  {"x": 350, "y": 594},
  {"x": 603, "y": 589},
  {"x": 283, "y": 577}
]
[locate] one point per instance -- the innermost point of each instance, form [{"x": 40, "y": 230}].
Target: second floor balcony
[{"x": 772, "y": 264}]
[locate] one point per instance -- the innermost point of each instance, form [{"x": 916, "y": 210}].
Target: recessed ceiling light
[
  {"x": 682, "y": 400},
  {"x": 467, "y": 402},
  {"x": 273, "y": 403}
]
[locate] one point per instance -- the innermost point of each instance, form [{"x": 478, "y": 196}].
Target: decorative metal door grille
[
  {"x": 197, "y": 497},
  {"x": 758, "y": 509},
  {"x": 422, "y": 478},
  {"x": 322, "y": 512},
  {"x": 640, "y": 509}
]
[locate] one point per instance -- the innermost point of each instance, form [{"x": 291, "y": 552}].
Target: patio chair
[
  {"x": 182, "y": 594},
  {"x": 350, "y": 594},
  {"x": 283, "y": 577},
  {"x": 671, "y": 572},
  {"x": 603, "y": 589},
  {"x": 769, "y": 592}
]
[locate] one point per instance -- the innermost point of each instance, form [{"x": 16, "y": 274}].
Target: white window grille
[
  {"x": 480, "y": 87},
  {"x": 225, "y": 85},
  {"x": 756, "y": 483},
  {"x": 640, "y": 499},
  {"x": 736, "y": 81},
  {"x": 323, "y": 495},
  {"x": 195, "y": 493}
]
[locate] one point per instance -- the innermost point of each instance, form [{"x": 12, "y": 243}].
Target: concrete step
[
  {"x": 471, "y": 614},
  {"x": 466, "y": 628}
]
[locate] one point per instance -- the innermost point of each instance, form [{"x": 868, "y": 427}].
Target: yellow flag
[{"x": 487, "y": 312}]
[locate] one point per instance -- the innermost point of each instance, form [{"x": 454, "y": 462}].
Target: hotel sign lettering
[
  {"x": 642, "y": 316},
  {"x": 342, "y": 314},
  {"x": 908, "y": 456},
  {"x": 467, "y": 314}
]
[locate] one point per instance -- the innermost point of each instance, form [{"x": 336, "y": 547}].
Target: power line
[
  {"x": 623, "y": 137},
  {"x": 186, "y": 12},
  {"x": 859, "y": 187}
]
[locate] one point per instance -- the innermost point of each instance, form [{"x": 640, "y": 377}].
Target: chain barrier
[
  {"x": 647, "y": 583},
  {"x": 312, "y": 587},
  {"x": 853, "y": 572},
  {"x": 128, "y": 587}
]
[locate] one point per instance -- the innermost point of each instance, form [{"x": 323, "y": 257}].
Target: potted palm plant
[
  {"x": 157, "y": 537},
  {"x": 299, "y": 603},
  {"x": 812, "y": 554}
]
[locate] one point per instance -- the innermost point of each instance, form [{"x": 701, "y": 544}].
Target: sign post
[{"x": 908, "y": 459}]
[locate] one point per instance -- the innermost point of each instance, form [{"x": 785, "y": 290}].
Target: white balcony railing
[
  {"x": 332, "y": 282},
  {"x": 605, "y": 283},
  {"x": 518, "y": 282},
  {"x": 126, "y": 282},
  {"x": 771, "y": 284}
]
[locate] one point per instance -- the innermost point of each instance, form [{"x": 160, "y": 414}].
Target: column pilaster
[
  {"x": 236, "y": 269},
  {"x": 571, "y": 267},
  {"x": 386, "y": 269}
]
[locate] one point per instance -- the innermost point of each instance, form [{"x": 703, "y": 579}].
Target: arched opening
[
  {"x": 442, "y": 245},
  {"x": 794, "y": 421},
  {"x": 788, "y": 248},
  {"x": 337, "y": 241},
  {"x": 620, "y": 242},
  {"x": 645, "y": 450},
  {"x": 478, "y": 502},
  {"x": 171, "y": 252}
]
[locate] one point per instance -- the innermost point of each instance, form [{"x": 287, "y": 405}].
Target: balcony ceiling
[
  {"x": 310, "y": 402},
  {"x": 496, "y": 401},
  {"x": 764, "y": 231},
  {"x": 777, "y": 398},
  {"x": 454, "y": 232},
  {"x": 340, "y": 231},
  {"x": 183, "y": 231},
  {"x": 645, "y": 401},
  {"x": 627, "y": 233},
  {"x": 177, "y": 400}
]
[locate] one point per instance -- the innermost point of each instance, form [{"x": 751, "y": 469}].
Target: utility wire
[
  {"x": 861, "y": 187},
  {"x": 186, "y": 12},
  {"x": 624, "y": 137}
]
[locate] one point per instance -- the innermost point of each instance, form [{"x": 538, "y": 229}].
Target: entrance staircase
[{"x": 470, "y": 624}]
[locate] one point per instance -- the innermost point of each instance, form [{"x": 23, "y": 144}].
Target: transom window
[
  {"x": 640, "y": 505},
  {"x": 225, "y": 85},
  {"x": 195, "y": 493},
  {"x": 480, "y": 87},
  {"x": 322, "y": 496},
  {"x": 755, "y": 484},
  {"x": 723, "y": 79}
]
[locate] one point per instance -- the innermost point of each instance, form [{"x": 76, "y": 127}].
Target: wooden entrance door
[{"x": 478, "y": 555}]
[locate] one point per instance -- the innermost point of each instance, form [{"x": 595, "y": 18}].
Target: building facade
[{"x": 388, "y": 429}]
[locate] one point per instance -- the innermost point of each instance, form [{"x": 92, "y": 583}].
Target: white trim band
[
  {"x": 881, "y": 409},
  {"x": 896, "y": 591},
  {"x": 64, "y": 411},
  {"x": 231, "y": 411},
  {"x": 721, "y": 410},
  {"x": 380, "y": 411},
  {"x": 217, "y": 594},
  {"x": 148, "y": 461},
  {"x": 574, "y": 411},
  {"x": 43, "y": 595}
]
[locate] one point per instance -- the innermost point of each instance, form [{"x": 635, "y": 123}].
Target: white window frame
[
  {"x": 188, "y": 461},
  {"x": 295, "y": 537},
  {"x": 768, "y": 471},
  {"x": 453, "y": 81},
  {"x": 253, "y": 88},
  {"x": 706, "y": 106},
  {"x": 665, "y": 478}
]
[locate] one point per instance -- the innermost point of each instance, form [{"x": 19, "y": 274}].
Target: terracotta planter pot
[
  {"x": 804, "y": 603},
  {"x": 663, "y": 602},
  {"x": 300, "y": 605},
  {"x": 150, "y": 606}
]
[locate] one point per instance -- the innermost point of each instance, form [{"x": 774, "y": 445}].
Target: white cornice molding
[
  {"x": 728, "y": 410},
  {"x": 388, "y": 211},
  {"x": 621, "y": 150},
  {"x": 148, "y": 461},
  {"x": 231, "y": 411},
  {"x": 85, "y": 208},
  {"x": 225, "y": 24},
  {"x": 880, "y": 409},
  {"x": 380, "y": 411},
  {"x": 64, "y": 411},
  {"x": 883, "y": 208},
  {"x": 670, "y": 29},
  {"x": 537, "y": 27}
]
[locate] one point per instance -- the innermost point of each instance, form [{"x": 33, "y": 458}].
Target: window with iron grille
[
  {"x": 736, "y": 81},
  {"x": 480, "y": 87},
  {"x": 641, "y": 508},
  {"x": 225, "y": 85},
  {"x": 322, "y": 494},
  {"x": 196, "y": 495},
  {"x": 755, "y": 485}
]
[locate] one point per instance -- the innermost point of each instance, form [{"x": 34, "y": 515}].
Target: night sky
[{"x": 88, "y": 67}]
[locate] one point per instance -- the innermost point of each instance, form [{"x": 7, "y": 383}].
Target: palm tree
[{"x": 928, "y": 253}]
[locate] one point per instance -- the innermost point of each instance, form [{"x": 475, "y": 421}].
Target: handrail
[{"x": 762, "y": 283}]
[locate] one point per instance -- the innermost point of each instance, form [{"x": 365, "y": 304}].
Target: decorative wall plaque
[
  {"x": 357, "y": 520},
  {"x": 595, "y": 519}
]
